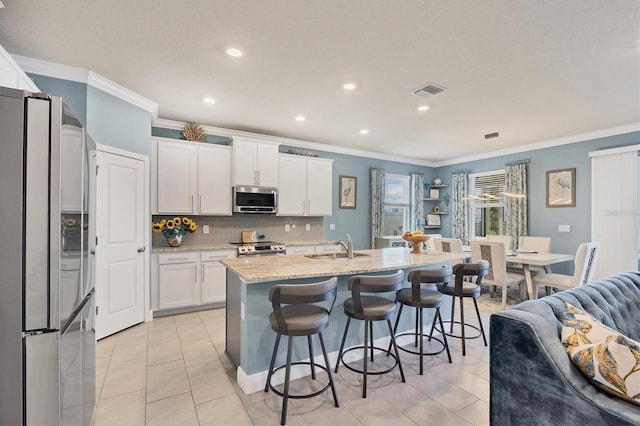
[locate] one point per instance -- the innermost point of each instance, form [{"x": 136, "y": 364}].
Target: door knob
[
  {"x": 141, "y": 249},
  {"x": 92, "y": 251}
]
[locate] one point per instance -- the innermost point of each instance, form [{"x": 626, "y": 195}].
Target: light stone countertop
[
  {"x": 224, "y": 246},
  {"x": 274, "y": 268}
]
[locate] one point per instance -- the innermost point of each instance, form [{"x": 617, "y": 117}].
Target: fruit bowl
[{"x": 416, "y": 240}]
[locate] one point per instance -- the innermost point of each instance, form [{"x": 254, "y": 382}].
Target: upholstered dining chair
[
  {"x": 538, "y": 244},
  {"x": 494, "y": 253},
  {"x": 585, "y": 265},
  {"x": 507, "y": 240},
  {"x": 448, "y": 245},
  {"x": 430, "y": 244}
]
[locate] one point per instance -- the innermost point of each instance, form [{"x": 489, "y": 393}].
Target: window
[
  {"x": 486, "y": 203},
  {"x": 396, "y": 204}
]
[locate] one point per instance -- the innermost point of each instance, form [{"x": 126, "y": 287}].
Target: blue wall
[
  {"x": 109, "y": 120},
  {"x": 543, "y": 221}
]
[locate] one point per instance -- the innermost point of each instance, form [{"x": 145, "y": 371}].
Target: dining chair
[
  {"x": 494, "y": 253},
  {"x": 448, "y": 245},
  {"x": 538, "y": 244},
  {"x": 584, "y": 266},
  {"x": 507, "y": 240},
  {"x": 430, "y": 244}
]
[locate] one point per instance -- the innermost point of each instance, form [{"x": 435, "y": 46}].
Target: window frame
[
  {"x": 475, "y": 204},
  {"x": 404, "y": 206}
]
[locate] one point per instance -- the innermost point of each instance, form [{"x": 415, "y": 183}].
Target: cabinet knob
[{"x": 141, "y": 249}]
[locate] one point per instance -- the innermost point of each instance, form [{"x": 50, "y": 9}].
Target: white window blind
[
  {"x": 397, "y": 190},
  {"x": 488, "y": 189}
]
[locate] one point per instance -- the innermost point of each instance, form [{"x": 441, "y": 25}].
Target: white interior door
[{"x": 120, "y": 257}]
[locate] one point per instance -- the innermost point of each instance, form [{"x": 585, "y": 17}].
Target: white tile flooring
[{"x": 173, "y": 371}]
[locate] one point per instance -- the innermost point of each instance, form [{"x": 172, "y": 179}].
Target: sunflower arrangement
[{"x": 175, "y": 229}]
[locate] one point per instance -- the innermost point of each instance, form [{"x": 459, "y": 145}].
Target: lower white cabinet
[
  {"x": 214, "y": 275},
  {"x": 189, "y": 279},
  {"x": 314, "y": 249}
]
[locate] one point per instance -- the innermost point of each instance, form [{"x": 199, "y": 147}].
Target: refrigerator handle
[{"x": 55, "y": 226}]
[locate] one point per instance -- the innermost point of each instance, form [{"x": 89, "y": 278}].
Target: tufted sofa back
[{"x": 614, "y": 301}]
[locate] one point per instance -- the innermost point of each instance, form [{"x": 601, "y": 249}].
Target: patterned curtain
[
  {"x": 515, "y": 223},
  {"x": 459, "y": 206},
  {"x": 417, "y": 200},
  {"x": 377, "y": 203}
]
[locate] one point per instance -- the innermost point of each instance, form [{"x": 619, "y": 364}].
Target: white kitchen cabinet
[
  {"x": 291, "y": 250},
  {"x": 214, "y": 180},
  {"x": 214, "y": 275},
  {"x": 189, "y": 279},
  {"x": 255, "y": 163},
  {"x": 178, "y": 284},
  {"x": 192, "y": 178},
  {"x": 304, "y": 186},
  {"x": 176, "y": 177}
]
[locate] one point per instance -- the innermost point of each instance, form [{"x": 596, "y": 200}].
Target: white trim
[
  {"x": 582, "y": 137},
  {"x": 28, "y": 83},
  {"x": 613, "y": 151},
  {"x": 122, "y": 152},
  {"x": 220, "y": 131},
  {"x": 80, "y": 75}
]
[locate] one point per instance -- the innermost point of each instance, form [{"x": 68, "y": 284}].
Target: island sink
[{"x": 341, "y": 255}]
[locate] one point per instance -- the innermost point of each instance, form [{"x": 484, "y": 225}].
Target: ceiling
[{"x": 531, "y": 70}]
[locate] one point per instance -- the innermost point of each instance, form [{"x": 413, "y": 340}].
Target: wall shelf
[{"x": 432, "y": 227}]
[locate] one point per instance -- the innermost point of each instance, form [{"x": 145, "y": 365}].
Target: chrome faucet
[{"x": 348, "y": 247}]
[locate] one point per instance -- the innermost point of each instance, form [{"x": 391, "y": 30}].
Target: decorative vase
[{"x": 174, "y": 240}]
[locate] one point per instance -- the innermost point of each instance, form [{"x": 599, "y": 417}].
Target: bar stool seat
[
  {"x": 465, "y": 289},
  {"x": 300, "y": 318},
  {"x": 370, "y": 308},
  {"x": 421, "y": 298}
]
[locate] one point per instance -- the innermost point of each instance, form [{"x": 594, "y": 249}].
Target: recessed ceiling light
[
  {"x": 300, "y": 118},
  {"x": 232, "y": 51},
  {"x": 349, "y": 86},
  {"x": 364, "y": 131},
  {"x": 208, "y": 100},
  {"x": 423, "y": 107}
]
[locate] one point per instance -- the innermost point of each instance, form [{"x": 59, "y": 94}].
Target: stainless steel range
[{"x": 260, "y": 248}]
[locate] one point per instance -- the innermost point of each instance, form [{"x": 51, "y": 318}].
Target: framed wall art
[
  {"x": 561, "y": 188},
  {"x": 347, "y": 192},
  {"x": 433, "y": 220}
]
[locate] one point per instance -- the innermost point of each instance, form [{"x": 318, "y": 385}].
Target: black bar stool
[
  {"x": 300, "y": 318},
  {"x": 464, "y": 289},
  {"x": 370, "y": 309},
  {"x": 421, "y": 298}
]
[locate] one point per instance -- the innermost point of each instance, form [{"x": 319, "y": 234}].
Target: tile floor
[{"x": 173, "y": 371}]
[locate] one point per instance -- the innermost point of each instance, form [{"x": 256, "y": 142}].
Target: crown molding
[
  {"x": 220, "y": 131},
  {"x": 90, "y": 78},
  {"x": 582, "y": 137}
]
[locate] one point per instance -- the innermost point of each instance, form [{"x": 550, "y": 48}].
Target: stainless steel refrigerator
[{"x": 47, "y": 337}]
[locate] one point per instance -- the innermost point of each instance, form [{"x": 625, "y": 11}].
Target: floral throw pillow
[{"x": 610, "y": 360}]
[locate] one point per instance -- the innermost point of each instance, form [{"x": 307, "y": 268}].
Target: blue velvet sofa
[{"x": 533, "y": 381}]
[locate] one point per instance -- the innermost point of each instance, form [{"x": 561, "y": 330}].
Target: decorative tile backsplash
[{"x": 225, "y": 229}]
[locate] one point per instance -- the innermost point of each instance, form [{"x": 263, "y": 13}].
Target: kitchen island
[{"x": 249, "y": 338}]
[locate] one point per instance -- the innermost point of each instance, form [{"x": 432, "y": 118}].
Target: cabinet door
[
  {"x": 319, "y": 187},
  {"x": 214, "y": 180},
  {"x": 292, "y": 186},
  {"x": 176, "y": 178},
  {"x": 267, "y": 165},
  {"x": 214, "y": 278},
  {"x": 300, "y": 250},
  {"x": 245, "y": 170},
  {"x": 178, "y": 285},
  {"x": 70, "y": 170}
]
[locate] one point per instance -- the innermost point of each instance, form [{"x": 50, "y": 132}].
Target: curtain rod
[{"x": 513, "y": 163}]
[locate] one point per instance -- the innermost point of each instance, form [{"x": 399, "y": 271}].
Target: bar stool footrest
[
  {"x": 361, "y": 347},
  {"x": 309, "y": 395},
  {"x": 458, "y": 336},
  {"x": 409, "y": 333}
]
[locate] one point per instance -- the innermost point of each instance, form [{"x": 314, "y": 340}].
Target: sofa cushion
[{"x": 610, "y": 360}]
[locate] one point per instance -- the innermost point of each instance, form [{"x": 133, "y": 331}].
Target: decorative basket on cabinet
[{"x": 175, "y": 229}]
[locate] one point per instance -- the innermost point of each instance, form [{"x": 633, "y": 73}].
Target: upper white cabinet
[
  {"x": 191, "y": 178},
  {"x": 71, "y": 178},
  {"x": 255, "y": 163},
  {"x": 304, "y": 186},
  {"x": 11, "y": 75}
]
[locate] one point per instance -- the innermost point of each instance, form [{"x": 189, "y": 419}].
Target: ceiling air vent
[{"x": 429, "y": 90}]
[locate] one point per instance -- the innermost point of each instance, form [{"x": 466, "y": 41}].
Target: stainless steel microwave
[{"x": 254, "y": 199}]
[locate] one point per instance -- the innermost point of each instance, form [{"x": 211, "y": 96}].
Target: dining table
[{"x": 528, "y": 258}]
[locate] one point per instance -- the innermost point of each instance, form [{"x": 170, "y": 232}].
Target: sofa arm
[{"x": 533, "y": 381}]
